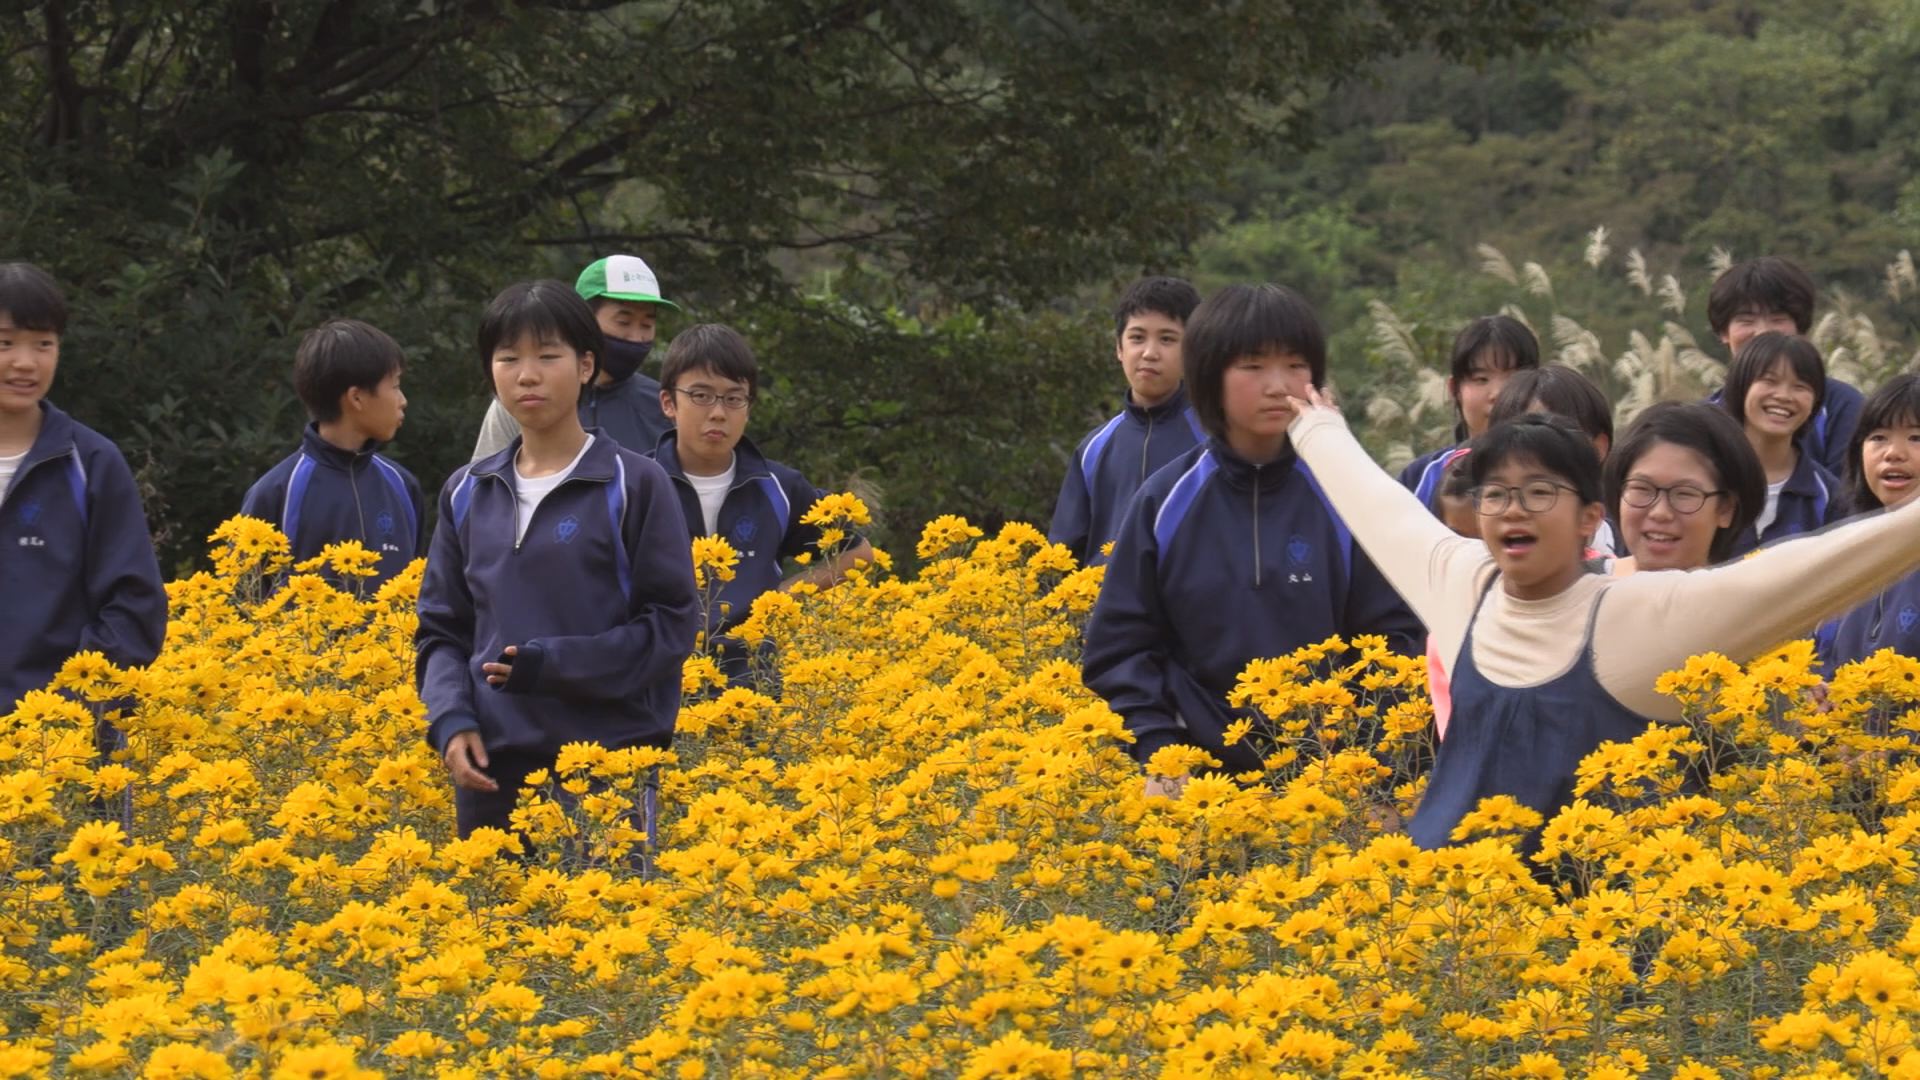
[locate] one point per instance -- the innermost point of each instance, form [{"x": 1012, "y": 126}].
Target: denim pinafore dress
[{"x": 1525, "y": 742}]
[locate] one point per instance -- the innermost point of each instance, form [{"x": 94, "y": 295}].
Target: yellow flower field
[{"x": 929, "y": 856}]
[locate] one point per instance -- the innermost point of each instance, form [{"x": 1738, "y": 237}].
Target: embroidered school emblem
[
  {"x": 567, "y": 529},
  {"x": 745, "y": 530},
  {"x": 1908, "y": 617},
  {"x": 30, "y": 512},
  {"x": 1299, "y": 551},
  {"x": 385, "y": 523}
]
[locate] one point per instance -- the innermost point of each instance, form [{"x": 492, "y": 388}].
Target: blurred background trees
[{"x": 919, "y": 213}]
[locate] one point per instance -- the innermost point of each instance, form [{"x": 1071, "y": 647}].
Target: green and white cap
[{"x": 621, "y": 277}]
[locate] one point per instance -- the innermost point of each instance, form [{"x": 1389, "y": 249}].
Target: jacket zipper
[
  {"x": 1144, "y": 445},
  {"x": 353, "y": 481},
  {"x": 1879, "y": 614},
  {"x": 1256, "y": 525}
]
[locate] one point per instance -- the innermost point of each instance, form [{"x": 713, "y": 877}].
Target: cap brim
[{"x": 639, "y": 298}]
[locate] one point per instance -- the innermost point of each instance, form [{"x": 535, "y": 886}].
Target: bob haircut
[
  {"x": 1489, "y": 343},
  {"x": 713, "y": 347},
  {"x": 1895, "y": 404},
  {"x": 337, "y": 356},
  {"x": 1169, "y": 296},
  {"x": 1550, "y": 441},
  {"x": 1560, "y": 390},
  {"x": 1763, "y": 286},
  {"x": 1246, "y": 320},
  {"x": 1758, "y": 356},
  {"x": 30, "y": 297},
  {"x": 548, "y": 310},
  {"x": 1706, "y": 430}
]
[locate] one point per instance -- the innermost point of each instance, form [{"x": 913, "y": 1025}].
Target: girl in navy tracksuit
[
  {"x": 1486, "y": 353},
  {"x": 1231, "y": 553},
  {"x": 558, "y": 604},
  {"x": 1883, "y": 471},
  {"x": 1775, "y": 388},
  {"x": 77, "y": 569}
]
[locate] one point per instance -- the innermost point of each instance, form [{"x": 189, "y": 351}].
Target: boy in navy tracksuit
[
  {"x": 1486, "y": 353},
  {"x": 1231, "y": 553},
  {"x": 558, "y": 604},
  {"x": 1774, "y": 294},
  {"x": 336, "y": 486},
  {"x": 728, "y": 489},
  {"x": 77, "y": 569},
  {"x": 621, "y": 401},
  {"x": 1156, "y": 426}
]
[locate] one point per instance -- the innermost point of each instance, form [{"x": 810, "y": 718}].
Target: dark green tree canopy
[{"x": 209, "y": 179}]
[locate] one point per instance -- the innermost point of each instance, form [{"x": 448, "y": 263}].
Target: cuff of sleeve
[
  {"x": 1150, "y": 743},
  {"x": 527, "y": 662},
  {"x": 442, "y": 731}
]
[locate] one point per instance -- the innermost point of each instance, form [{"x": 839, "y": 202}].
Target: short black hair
[
  {"x": 1761, "y": 286},
  {"x": 337, "y": 356},
  {"x": 1553, "y": 441},
  {"x": 1895, "y": 404},
  {"x": 1758, "y": 356},
  {"x": 1560, "y": 390},
  {"x": 1246, "y": 320},
  {"x": 549, "y": 310},
  {"x": 1170, "y": 296},
  {"x": 718, "y": 348},
  {"x": 1500, "y": 342},
  {"x": 30, "y": 297},
  {"x": 1711, "y": 433}
]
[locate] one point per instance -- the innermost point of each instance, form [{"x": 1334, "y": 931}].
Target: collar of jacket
[
  {"x": 55, "y": 438},
  {"x": 1166, "y": 410},
  {"x": 596, "y": 465},
  {"x": 324, "y": 452},
  {"x": 1241, "y": 473},
  {"x": 1802, "y": 481},
  {"x": 748, "y": 462}
]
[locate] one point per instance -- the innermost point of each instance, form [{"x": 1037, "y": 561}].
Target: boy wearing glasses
[{"x": 728, "y": 489}]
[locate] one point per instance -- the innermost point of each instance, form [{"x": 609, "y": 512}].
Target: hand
[
  {"x": 1317, "y": 398},
  {"x": 465, "y": 757},
  {"x": 498, "y": 673},
  {"x": 1165, "y": 787}
]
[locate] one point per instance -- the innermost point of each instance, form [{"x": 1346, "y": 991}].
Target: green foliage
[{"x": 210, "y": 179}]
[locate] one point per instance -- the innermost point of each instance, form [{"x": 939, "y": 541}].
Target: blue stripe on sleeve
[{"x": 1180, "y": 500}]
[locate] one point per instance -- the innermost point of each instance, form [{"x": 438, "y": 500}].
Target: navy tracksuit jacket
[
  {"x": 598, "y": 596},
  {"x": 760, "y": 519},
  {"x": 321, "y": 494},
  {"x": 77, "y": 568},
  {"x": 1810, "y": 501},
  {"x": 1111, "y": 463},
  {"x": 1220, "y": 562},
  {"x": 1890, "y": 620}
]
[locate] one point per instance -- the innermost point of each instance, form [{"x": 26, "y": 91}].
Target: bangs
[{"x": 1543, "y": 440}]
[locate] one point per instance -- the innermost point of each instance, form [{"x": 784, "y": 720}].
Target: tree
[{"x": 208, "y": 178}]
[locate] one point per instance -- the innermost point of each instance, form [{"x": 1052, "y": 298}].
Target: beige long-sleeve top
[{"x": 1648, "y": 624}]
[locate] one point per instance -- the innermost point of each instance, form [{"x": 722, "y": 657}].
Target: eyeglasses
[
  {"x": 1683, "y": 498},
  {"x": 706, "y": 399},
  {"x": 1536, "y": 496}
]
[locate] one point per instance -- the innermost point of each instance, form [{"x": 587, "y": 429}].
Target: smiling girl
[
  {"x": 1775, "y": 387},
  {"x": 1883, "y": 471},
  {"x": 1548, "y": 661},
  {"x": 1685, "y": 485}
]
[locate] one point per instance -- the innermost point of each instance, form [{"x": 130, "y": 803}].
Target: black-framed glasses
[
  {"x": 706, "y": 399},
  {"x": 1683, "y": 498},
  {"x": 1536, "y": 496}
]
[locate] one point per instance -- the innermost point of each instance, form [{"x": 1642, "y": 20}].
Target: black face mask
[{"x": 624, "y": 357}]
